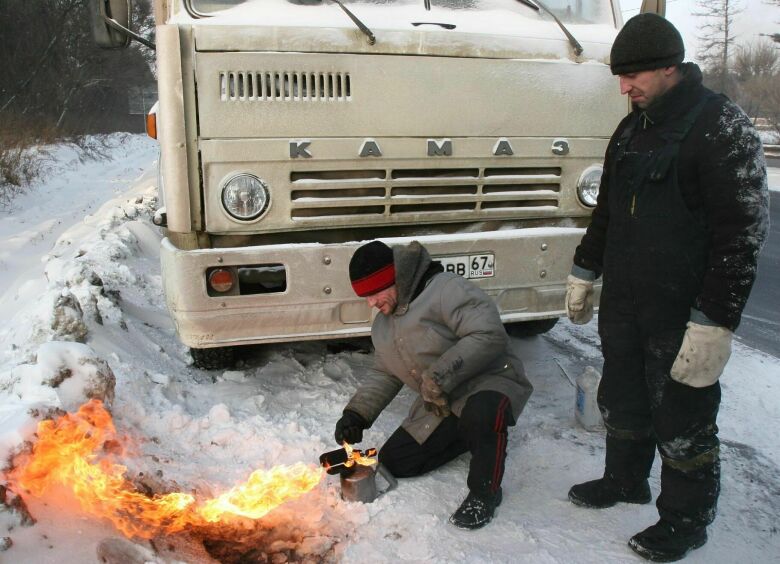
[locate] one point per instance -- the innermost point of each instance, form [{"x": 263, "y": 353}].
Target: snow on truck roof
[
  {"x": 498, "y": 29},
  {"x": 489, "y": 17}
]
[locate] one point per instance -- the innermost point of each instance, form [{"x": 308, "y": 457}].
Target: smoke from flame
[{"x": 71, "y": 451}]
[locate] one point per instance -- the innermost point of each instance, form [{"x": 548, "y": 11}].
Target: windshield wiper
[
  {"x": 361, "y": 25},
  {"x": 536, "y": 4}
]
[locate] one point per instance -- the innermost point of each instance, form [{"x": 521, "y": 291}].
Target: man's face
[
  {"x": 644, "y": 87},
  {"x": 385, "y": 300}
]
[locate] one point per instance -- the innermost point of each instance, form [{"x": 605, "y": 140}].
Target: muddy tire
[
  {"x": 530, "y": 328},
  {"x": 213, "y": 359}
]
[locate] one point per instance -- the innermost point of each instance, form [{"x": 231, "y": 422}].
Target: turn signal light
[
  {"x": 151, "y": 125},
  {"x": 221, "y": 280}
]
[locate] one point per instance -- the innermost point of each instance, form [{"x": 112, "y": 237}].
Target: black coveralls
[
  {"x": 654, "y": 262},
  {"x": 691, "y": 150}
]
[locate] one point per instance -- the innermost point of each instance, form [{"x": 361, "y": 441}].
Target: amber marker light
[
  {"x": 151, "y": 125},
  {"x": 221, "y": 280}
]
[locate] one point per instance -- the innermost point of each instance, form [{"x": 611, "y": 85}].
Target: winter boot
[
  {"x": 602, "y": 493},
  {"x": 663, "y": 542},
  {"x": 476, "y": 510}
]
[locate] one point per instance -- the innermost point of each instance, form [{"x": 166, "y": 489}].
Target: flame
[
  {"x": 71, "y": 451},
  {"x": 355, "y": 456}
]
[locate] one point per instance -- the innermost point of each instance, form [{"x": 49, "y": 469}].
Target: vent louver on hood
[{"x": 278, "y": 86}]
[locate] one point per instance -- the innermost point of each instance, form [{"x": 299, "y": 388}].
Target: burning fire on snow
[{"x": 72, "y": 451}]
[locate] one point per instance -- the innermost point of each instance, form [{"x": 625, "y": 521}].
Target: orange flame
[
  {"x": 70, "y": 451},
  {"x": 355, "y": 456}
]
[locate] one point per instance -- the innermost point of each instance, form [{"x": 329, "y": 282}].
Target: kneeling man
[{"x": 442, "y": 336}]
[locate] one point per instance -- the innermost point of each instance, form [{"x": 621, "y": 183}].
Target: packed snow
[
  {"x": 85, "y": 318},
  {"x": 773, "y": 175}
]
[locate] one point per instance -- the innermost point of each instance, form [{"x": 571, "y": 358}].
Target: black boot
[
  {"x": 601, "y": 493},
  {"x": 476, "y": 510},
  {"x": 663, "y": 542}
]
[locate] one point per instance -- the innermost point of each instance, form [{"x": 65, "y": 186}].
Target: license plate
[{"x": 470, "y": 266}]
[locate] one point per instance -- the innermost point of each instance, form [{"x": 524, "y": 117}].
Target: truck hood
[{"x": 305, "y": 95}]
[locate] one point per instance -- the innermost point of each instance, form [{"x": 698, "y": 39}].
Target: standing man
[
  {"x": 681, "y": 217},
  {"x": 441, "y": 336}
]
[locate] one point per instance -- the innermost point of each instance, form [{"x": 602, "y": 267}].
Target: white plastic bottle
[{"x": 586, "y": 409}]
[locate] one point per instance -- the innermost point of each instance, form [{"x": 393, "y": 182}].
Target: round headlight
[
  {"x": 588, "y": 185},
  {"x": 245, "y": 196}
]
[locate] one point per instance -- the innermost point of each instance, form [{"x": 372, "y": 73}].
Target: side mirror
[
  {"x": 654, "y": 6},
  {"x": 104, "y": 34}
]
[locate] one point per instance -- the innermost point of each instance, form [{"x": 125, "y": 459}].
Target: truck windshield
[{"x": 568, "y": 11}]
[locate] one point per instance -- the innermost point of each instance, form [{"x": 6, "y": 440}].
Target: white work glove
[
  {"x": 704, "y": 353},
  {"x": 579, "y": 300}
]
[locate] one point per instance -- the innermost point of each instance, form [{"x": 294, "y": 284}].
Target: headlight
[
  {"x": 245, "y": 196},
  {"x": 588, "y": 185}
]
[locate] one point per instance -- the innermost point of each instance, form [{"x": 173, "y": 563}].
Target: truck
[{"x": 292, "y": 131}]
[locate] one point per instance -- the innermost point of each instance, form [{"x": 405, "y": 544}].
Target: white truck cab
[{"x": 291, "y": 131}]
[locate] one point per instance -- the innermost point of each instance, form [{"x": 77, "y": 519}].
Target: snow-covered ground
[
  {"x": 773, "y": 175},
  {"x": 79, "y": 257}
]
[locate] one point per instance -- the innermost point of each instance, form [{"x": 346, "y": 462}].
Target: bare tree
[
  {"x": 717, "y": 38},
  {"x": 756, "y": 69},
  {"x": 53, "y": 71},
  {"x": 759, "y": 58},
  {"x": 56, "y": 83}
]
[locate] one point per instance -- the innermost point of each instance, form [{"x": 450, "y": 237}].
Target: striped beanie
[{"x": 371, "y": 269}]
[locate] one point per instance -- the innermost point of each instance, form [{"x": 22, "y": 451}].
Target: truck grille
[
  {"x": 428, "y": 194},
  {"x": 284, "y": 86}
]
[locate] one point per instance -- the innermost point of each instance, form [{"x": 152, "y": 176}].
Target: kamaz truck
[{"x": 291, "y": 131}]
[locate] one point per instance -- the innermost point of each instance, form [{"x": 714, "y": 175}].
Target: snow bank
[
  {"x": 54, "y": 299},
  {"x": 773, "y": 174},
  {"x": 65, "y": 375}
]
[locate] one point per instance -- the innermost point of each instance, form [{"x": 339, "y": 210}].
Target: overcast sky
[{"x": 757, "y": 17}]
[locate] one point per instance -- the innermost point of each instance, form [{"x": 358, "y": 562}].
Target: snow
[
  {"x": 497, "y": 29},
  {"x": 499, "y": 17},
  {"x": 773, "y": 176},
  {"x": 84, "y": 311}
]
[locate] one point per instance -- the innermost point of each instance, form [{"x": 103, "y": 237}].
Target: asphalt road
[{"x": 760, "y": 327}]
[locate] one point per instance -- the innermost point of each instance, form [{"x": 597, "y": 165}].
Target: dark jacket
[
  {"x": 447, "y": 326},
  {"x": 721, "y": 172}
]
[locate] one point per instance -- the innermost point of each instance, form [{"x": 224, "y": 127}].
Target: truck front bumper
[{"x": 531, "y": 266}]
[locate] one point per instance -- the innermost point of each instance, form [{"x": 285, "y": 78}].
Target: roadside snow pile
[
  {"x": 48, "y": 365},
  {"x": 769, "y": 137},
  {"x": 44, "y": 364},
  {"x": 65, "y": 375}
]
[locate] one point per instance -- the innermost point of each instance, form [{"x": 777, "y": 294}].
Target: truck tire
[
  {"x": 530, "y": 328},
  {"x": 213, "y": 359}
]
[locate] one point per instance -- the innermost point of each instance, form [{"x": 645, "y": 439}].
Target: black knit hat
[
  {"x": 646, "y": 42},
  {"x": 372, "y": 269}
]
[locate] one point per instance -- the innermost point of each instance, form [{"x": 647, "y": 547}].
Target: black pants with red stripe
[{"x": 480, "y": 429}]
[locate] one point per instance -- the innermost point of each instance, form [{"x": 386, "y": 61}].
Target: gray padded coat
[{"x": 453, "y": 330}]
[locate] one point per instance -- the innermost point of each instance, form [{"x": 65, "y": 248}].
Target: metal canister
[{"x": 360, "y": 483}]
